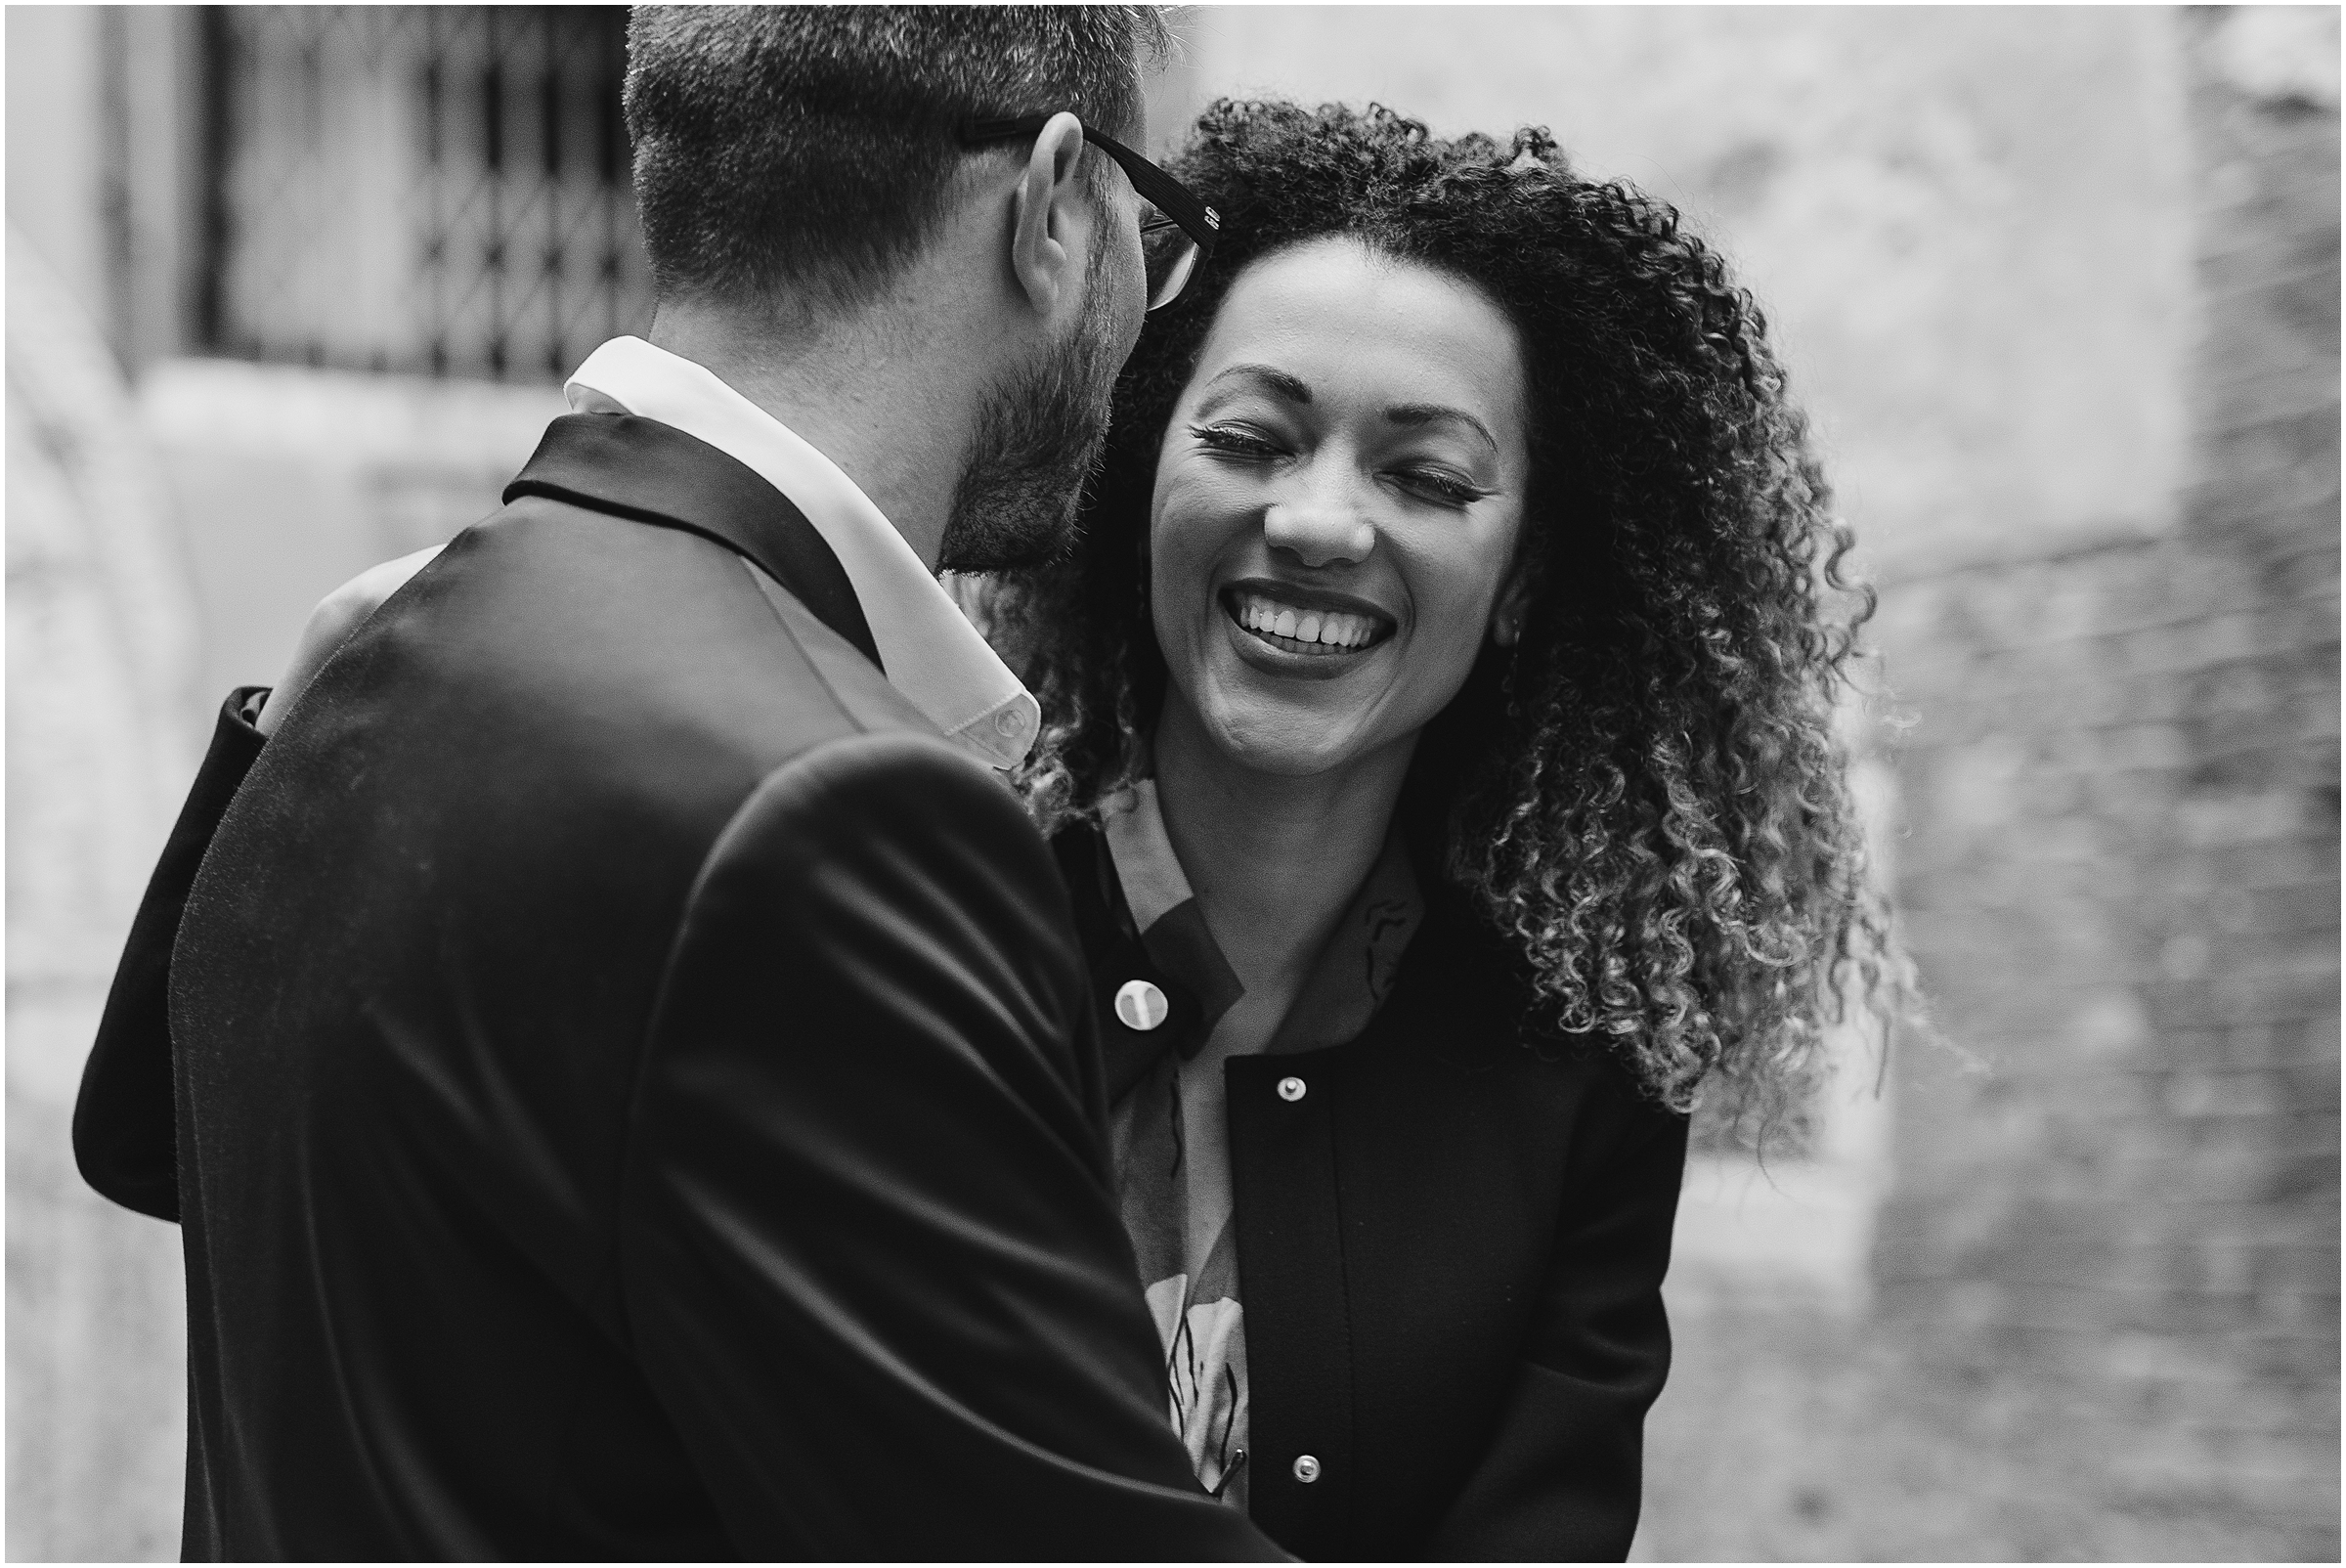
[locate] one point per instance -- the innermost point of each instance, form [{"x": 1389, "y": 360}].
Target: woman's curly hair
[{"x": 1644, "y": 795}]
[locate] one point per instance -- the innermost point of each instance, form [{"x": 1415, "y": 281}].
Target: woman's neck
[{"x": 1272, "y": 859}]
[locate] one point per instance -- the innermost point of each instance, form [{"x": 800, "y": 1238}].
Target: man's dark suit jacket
[
  {"x": 635, "y": 1092},
  {"x": 1452, "y": 1246}
]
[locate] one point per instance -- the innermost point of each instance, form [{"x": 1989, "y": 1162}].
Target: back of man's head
[{"x": 809, "y": 151}]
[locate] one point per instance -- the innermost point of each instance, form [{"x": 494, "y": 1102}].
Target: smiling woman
[
  {"x": 1438, "y": 720},
  {"x": 1337, "y": 507}
]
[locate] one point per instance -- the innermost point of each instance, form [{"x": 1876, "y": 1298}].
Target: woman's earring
[{"x": 1503, "y": 631}]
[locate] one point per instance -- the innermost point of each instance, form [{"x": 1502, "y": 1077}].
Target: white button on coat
[
  {"x": 1291, "y": 1089},
  {"x": 1140, "y": 1005},
  {"x": 1307, "y": 1468}
]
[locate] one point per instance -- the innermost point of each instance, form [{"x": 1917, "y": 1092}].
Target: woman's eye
[
  {"x": 1437, "y": 485},
  {"x": 1235, "y": 439}
]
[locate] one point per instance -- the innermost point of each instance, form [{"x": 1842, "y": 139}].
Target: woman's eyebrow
[
  {"x": 1434, "y": 413},
  {"x": 1278, "y": 383}
]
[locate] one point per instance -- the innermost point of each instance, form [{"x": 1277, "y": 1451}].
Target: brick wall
[{"x": 2121, "y": 881}]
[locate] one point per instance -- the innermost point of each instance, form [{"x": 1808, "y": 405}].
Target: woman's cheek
[
  {"x": 1189, "y": 527},
  {"x": 1177, "y": 584},
  {"x": 1461, "y": 595}
]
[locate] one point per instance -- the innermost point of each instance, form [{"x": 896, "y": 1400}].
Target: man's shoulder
[
  {"x": 638, "y": 630},
  {"x": 560, "y": 689},
  {"x": 903, "y": 789}
]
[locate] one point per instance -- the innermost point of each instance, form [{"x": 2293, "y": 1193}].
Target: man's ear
[{"x": 1050, "y": 217}]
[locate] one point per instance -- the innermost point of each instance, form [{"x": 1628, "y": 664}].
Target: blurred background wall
[{"x": 291, "y": 291}]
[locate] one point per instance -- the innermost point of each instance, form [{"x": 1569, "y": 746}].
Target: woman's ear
[
  {"x": 1049, "y": 216},
  {"x": 1513, "y": 603}
]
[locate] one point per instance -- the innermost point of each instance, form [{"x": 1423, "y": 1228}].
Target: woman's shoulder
[
  {"x": 1457, "y": 960},
  {"x": 1466, "y": 974}
]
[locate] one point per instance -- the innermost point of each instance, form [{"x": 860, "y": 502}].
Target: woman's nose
[{"x": 1321, "y": 525}]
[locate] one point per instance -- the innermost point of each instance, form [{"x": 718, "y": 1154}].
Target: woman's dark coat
[{"x": 1451, "y": 1249}]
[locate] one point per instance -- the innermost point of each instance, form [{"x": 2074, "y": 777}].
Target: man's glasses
[{"x": 1175, "y": 236}]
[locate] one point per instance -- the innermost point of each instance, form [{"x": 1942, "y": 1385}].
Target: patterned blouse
[{"x": 1169, "y": 1137}]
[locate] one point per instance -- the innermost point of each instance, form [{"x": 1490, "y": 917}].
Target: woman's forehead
[{"x": 1333, "y": 324}]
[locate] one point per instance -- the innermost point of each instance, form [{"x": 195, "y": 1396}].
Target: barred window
[{"x": 437, "y": 189}]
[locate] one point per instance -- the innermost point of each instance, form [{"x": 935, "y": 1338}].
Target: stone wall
[
  {"x": 100, "y": 644},
  {"x": 2121, "y": 881}
]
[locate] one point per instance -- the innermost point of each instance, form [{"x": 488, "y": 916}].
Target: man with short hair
[{"x": 633, "y": 1079}]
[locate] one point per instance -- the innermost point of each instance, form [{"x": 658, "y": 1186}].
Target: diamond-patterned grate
[{"x": 440, "y": 190}]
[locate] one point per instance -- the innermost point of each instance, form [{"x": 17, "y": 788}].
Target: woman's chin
[{"x": 1277, "y": 739}]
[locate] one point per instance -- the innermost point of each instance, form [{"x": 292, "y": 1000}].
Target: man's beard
[{"x": 1039, "y": 436}]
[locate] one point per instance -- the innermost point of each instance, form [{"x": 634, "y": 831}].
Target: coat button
[
  {"x": 1141, "y": 1005},
  {"x": 1307, "y": 1468},
  {"x": 1292, "y": 1089}
]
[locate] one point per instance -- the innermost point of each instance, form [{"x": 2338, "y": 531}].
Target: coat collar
[
  {"x": 1138, "y": 921},
  {"x": 655, "y": 473}
]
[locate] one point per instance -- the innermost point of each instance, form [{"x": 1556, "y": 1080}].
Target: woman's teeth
[{"x": 1314, "y": 630}]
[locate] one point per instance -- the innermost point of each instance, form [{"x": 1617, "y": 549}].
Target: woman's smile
[
  {"x": 1291, "y": 621},
  {"x": 1290, "y": 630}
]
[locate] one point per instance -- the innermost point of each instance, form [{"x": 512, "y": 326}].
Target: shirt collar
[
  {"x": 1348, "y": 982},
  {"x": 931, "y": 651}
]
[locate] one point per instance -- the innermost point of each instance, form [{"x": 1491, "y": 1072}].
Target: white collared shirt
[{"x": 931, "y": 653}]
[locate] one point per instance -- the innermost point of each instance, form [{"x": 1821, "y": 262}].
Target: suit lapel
[{"x": 631, "y": 466}]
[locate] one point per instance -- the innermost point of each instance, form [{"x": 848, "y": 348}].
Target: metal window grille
[{"x": 437, "y": 189}]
